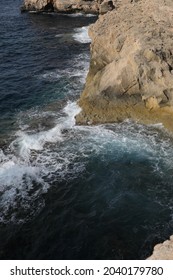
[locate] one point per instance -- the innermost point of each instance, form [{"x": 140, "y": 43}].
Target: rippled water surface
[{"x": 66, "y": 191}]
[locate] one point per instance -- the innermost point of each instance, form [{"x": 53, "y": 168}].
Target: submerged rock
[
  {"x": 163, "y": 251},
  {"x": 68, "y": 6},
  {"x": 131, "y": 68}
]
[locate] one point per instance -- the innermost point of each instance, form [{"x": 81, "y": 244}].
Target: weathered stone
[
  {"x": 35, "y": 5},
  {"x": 163, "y": 251},
  {"x": 105, "y": 6},
  {"x": 131, "y": 54},
  {"x": 66, "y": 6}
]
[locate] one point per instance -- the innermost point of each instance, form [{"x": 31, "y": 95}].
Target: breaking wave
[
  {"x": 81, "y": 35},
  {"x": 34, "y": 160}
]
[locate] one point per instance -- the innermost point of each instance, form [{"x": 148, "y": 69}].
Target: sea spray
[{"x": 81, "y": 35}]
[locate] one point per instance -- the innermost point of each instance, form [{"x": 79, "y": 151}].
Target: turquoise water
[{"x": 66, "y": 191}]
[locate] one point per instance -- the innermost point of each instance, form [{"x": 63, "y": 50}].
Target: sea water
[{"x": 67, "y": 191}]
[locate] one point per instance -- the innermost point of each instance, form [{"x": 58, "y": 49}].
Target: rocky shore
[
  {"x": 131, "y": 67},
  {"x": 131, "y": 72},
  {"x": 163, "y": 251},
  {"x": 69, "y": 6}
]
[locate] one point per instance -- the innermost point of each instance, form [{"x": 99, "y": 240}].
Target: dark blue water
[{"x": 69, "y": 192}]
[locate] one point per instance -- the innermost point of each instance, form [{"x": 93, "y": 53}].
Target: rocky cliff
[
  {"x": 69, "y": 6},
  {"x": 131, "y": 69}
]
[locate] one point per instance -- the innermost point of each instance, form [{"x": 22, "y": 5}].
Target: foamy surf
[
  {"x": 25, "y": 143},
  {"x": 81, "y": 35},
  {"x": 37, "y": 158},
  {"x": 62, "y": 153},
  {"x": 17, "y": 194},
  {"x": 51, "y": 76},
  {"x": 80, "y": 15},
  {"x": 28, "y": 163},
  {"x": 74, "y": 73}
]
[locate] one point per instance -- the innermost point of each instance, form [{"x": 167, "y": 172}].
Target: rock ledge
[
  {"x": 131, "y": 68},
  {"x": 69, "y": 6}
]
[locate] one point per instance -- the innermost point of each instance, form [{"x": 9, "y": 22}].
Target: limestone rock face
[
  {"x": 163, "y": 251},
  {"x": 68, "y": 6},
  {"x": 36, "y": 5},
  {"x": 131, "y": 69}
]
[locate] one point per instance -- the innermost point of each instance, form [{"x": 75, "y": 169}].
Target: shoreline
[
  {"x": 130, "y": 74},
  {"x": 69, "y": 6},
  {"x": 113, "y": 113},
  {"x": 146, "y": 98}
]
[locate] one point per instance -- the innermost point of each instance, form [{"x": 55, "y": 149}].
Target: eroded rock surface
[
  {"x": 163, "y": 251},
  {"x": 69, "y": 6},
  {"x": 131, "y": 69}
]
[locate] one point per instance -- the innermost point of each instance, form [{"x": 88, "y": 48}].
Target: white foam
[
  {"x": 11, "y": 173},
  {"x": 59, "y": 35},
  {"x": 91, "y": 15},
  {"x": 51, "y": 76},
  {"x": 16, "y": 182},
  {"x": 78, "y": 69},
  {"x": 80, "y": 15},
  {"x": 81, "y": 35},
  {"x": 29, "y": 162},
  {"x": 25, "y": 143},
  {"x": 64, "y": 150},
  {"x": 75, "y": 15},
  {"x": 33, "y": 12},
  {"x": 71, "y": 110}
]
